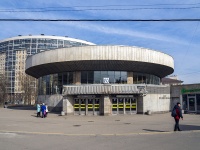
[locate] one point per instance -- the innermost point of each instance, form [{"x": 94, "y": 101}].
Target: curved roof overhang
[{"x": 100, "y": 58}]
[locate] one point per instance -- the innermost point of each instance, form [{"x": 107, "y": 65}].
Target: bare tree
[
  {"x": 3, "y": 92},
  {"x": 28, "y": 89}
]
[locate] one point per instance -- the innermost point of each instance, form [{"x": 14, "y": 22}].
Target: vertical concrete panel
[
  {"x": 98, "y": 54},
  {"x": 78, "y": 78},
  {"x": 52, "y": 55},
  {"x": 61, "y": 55},
  {"x": 70, "y": 105},
  {"x": 114, "y": 53},
  {"x": 130, "y": 78},
  {"x": 71, "y": 54},
  {"x": 107, "y": 106},
  {"x": 78, "y": 53}
]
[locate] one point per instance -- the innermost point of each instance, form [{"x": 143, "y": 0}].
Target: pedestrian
[
  {"x": 177, "y": 114},
  {"x": 38, "y": 110},
  {"x": 43, "y": 109},
  {"x": 46, "y": 110}
]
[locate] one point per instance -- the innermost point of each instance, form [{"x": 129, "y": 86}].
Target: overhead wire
[{"x": 108, "y": 20}]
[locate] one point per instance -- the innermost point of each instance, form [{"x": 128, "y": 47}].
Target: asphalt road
[{"x": 21, "y": 130}]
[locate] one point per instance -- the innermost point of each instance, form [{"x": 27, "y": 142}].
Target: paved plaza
[{"x": 21, "y": 129}]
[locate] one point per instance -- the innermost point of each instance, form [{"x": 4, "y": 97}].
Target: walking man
[{"x": 177, "y": 115}]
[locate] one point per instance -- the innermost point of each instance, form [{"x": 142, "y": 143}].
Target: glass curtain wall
[
  {"x": 139, "y": 78},
  {"x": 32, "y": 46},
  {"x": 52, "y": 84},
  {"x": 96, "y": 77}
]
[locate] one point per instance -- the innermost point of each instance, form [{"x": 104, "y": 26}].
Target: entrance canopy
[{"x": 104, "y": 89}]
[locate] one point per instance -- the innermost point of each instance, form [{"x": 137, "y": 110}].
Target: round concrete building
[{"x": 102, "y": 80}]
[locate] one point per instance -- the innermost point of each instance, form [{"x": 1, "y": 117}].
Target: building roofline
[{"x": 46, "y": 37}]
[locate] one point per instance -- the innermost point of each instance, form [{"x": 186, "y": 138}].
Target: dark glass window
[
  {"x": 117, "y": 77},
  {"x": 84, "y": 77},
  {"x": 123, "y": 77},
  {"x": 198, "y": 101},
  {"x": 34, "y": 40},
  {"x": 185, "y": 104},
  {"x": 60, "y": 82},
  {"x": 97, "y": 77},
  {"x": 111, "y": 75},
  {"x": 70, "y": 78},
  {"x": 135, "y": 78},
  {"x": 55, "y": 83},
  {"x": 140, "y": 79},
  {"x": 104, "y": 74},
  {"x": 65, "y": 78},
  {"x": 90, "y": 77}
]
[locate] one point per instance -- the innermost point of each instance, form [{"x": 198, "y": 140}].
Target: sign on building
[{"x": 105, "y": 80}]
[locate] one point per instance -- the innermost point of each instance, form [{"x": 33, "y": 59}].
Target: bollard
[{"x": 62, "y": 113}]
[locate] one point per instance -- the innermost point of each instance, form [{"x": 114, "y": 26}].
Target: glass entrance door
[
  {"x": 114, "y": 106},
  {"x": 127, "y": 105},
  {"x": 90, "y": 107},
  {"x": 83, "y": 106},
  {"x": 192, "y": 104},
  {"x": 86, "y": 106},
  {"x": 133, "y": 106},
  {"x": 96, "y": 106},
  {"x": 124, "y": 105},
  {"x": 76, "y": 107},
  {"x": 121, "y": 106}
]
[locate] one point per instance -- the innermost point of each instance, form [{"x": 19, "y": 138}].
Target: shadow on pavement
[
  {"x": 189, "y": 127},
  {"x": 22, "y": 107},
  {"x": 153, "y": 130},
  {"x": 182, "y": 127}
]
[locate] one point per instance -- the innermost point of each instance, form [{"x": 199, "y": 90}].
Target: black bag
[{"x": 173, "y": 114}]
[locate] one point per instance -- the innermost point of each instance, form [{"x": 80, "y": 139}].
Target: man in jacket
[{"x": 178, "y": 116}]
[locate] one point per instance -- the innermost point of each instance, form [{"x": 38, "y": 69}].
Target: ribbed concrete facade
[{"x": 100, "y": 58}]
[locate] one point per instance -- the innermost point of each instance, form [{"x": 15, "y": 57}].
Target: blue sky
[{"x": 181, "y": 40}]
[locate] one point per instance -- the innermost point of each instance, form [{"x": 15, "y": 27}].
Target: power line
[{"x": 107, "y": 20}]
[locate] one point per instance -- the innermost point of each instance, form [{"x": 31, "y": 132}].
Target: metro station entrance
[
  {"x": 124, "y": 105},
  {"x": 86, "y": 106}
]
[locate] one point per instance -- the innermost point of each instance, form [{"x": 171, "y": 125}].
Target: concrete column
[
  {"x": 130, "y": 78},
  {"x": 140, "y": 107},
  {"x": 68, "y": 105},
  {"x": 106, "y": 106},
  {"x": 64, "y": 108},
  {"x": 86, "y": 106},
  {"x": 77, "y": 78}
]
